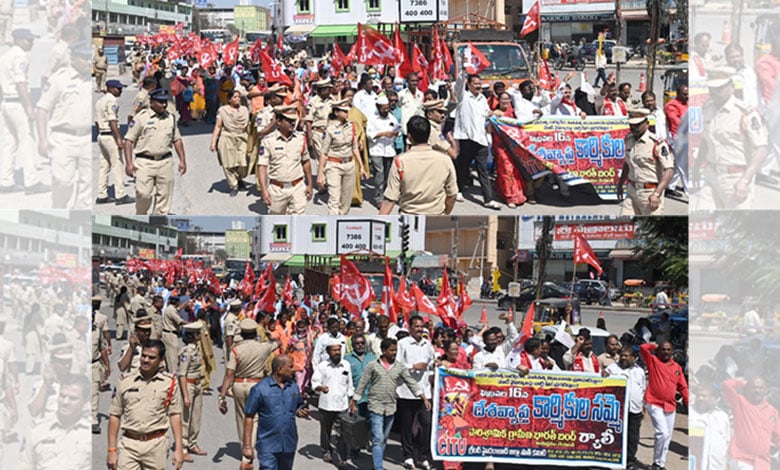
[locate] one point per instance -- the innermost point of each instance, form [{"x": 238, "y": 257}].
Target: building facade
[
  {"x": 117, "y": 238},
  {"x": 29, "y": 239},
  {"x": 129, "y": 17},
  {"x": 251, "y": 18}
]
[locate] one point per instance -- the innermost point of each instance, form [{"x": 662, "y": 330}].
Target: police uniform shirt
[
  {"x": 152, "y": 133},
  {"x": 319, "y": 110},
  {"x": 142, "y": 405},
  {"x": 59, "y": 57},
  {"x": 13, "y": 70},
  {"x": 7, "y": 8},
  {"x": 248, "y": 358},
  {"x": 339, "y": 141},
  {"x": 647, "y": 158},
  {"x": 101, "y": 322},
  {"x": 135, "y": 360},
  {"x": 733, "y": 132},
  {"x": 101, "y": 62},
  {"x": 190, "y": 362},
  {"x": 97, "y": 344},
  {"x": 437, "y": 140},
  {"x": 52, "y": 446},
  {"x": 231, "y": 325},
  {"x": 140, "y": 102},
  {"x": 171, "y": 319},
  {"x": 264, "y": 117},
  {"x": 428, "y": 178},
  {"x": 284, "y": 157},
  {"x": 63, "y": 100},
  {"x": 138, "y": 302}
]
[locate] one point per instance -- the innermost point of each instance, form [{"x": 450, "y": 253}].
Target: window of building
[
  {"x": 303, "y": 6},
  {"x": 280, "y": 233},
  {"x": 374, "y": 5},
  {"x": 318, "y": 233},
  {"x": 342, "y": 5}
]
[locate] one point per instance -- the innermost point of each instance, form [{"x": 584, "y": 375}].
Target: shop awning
[
  {"x": 276, "y": 257},
  {"x": 297, "y": 261},
  {"x": 635, "y": 15},
  {"x": 622, "y": 253},
  {"x": 300, "y": 29},
  {"x": 333, "y": 30}
]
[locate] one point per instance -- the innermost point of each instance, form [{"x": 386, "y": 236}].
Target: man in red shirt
[
  {"x": 756, "y": 424},
  {"x": 768, "y": 67},
  {"x": 665, "y": 378}
]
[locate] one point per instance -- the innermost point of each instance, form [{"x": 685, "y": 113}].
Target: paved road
[
  {"x": 218, "y": 432},
  {"x": 203, "y": 189}
]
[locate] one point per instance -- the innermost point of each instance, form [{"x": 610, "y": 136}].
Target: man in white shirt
[
  {"x": 331, "y": 336},
  {"x": 332, "y": 379},
  {"x": 382, "y": 129},
  {"x": 751, "y": 323},
  {"x": 365, "y": 98},
  {"x": 745, "y": 80},
  {"x": 656, "y": 114},
  {"x": 625, "y": 367},
  {"x": 471, "y": 114},
  {"x": 713, "y": 424},
  {"x": 525, "y": 109},
  {"x": 410, "y": 100},
  {"x": 416, "y": 354},
  {"x": 580, "y": 358}
]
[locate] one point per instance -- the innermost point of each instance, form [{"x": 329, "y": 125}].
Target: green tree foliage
[{"x": 664, "y": 247}]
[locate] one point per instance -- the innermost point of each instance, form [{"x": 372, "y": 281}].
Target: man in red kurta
[
  {"x": 665, "y": 379},
  {"x": 756, "y": 424}
]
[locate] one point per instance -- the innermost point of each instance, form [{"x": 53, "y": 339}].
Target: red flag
[
  {"x": 173, "y": 53},
  {"x": 404, "y": 300},
  {"x": 583, "y": 253},
  {"x": 280, "y": 43},
  {"x": 422, "y": 303},
  {"x": 474, "y": 60},
  {"x": 273, "y": 71},
  {"x": 527, "y": 330},
  {"x": 339, "y": 60},
  {"x": 247, "y": 283},
  {"x": 420, "y": 65},
  {"x": 214, "y": 285},
  {"x": 356, "y": 291},
  {"x": 179, "y": 252},
  {"x": 446, "y": 57},
  {"x": 254, "y": 50},
  {"x": 230, "y": 54},
  {"x": 352, "y": 55},
  {"x": 373, "y": 48},
  {"x": 287, "y": 293},
  {"x": 261, "y": 280},
  {"x": 388, "y": 297},
  {"x": 436, "y": 67},
  {"x": 464, "y": 301},
  {"x": 267, "y": 303},
  {"x": 404, "y": 66},
  {"x": 445, "y": 305},
  {"x": 546, "y": 80},
  {"x": 532, "y": 20},
  {"x": 207, "y": 56},
  {"x": 335, "y": 287}
]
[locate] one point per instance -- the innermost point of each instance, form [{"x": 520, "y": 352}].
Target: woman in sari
[
  {"x": 198, "y": 105},
  {"x": 509, "y": 181},
  {"x": 360, "y": 120},
  {"x": 184, "y": 98},
  {"x": 229, "y": 140}
]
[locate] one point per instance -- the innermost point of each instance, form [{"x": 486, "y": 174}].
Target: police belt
[
  {"x": 169, "y": 331},
  {"x": 644, "y": 185},
  {"x": 340, "y": 159},
  {"x": 72, "y": 131},
  {"x": 95, "y": 360},
  {"x": 239, "y": 380},
  {"x": 191, "y": 381},
  {"x": 731, "y": 169},
  {"x": 12, "y": 99},
  {"x": 288, "y": 184},
  {"x": 146, "y": 156},
  {"x": 136, "y": 436},
  {"x": 105, "y": 132}
]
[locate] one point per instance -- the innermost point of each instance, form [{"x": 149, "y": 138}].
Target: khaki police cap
[
  {"x": 323, "y": 83},
  {"x": 720, "y": 76},
  {"x": 342, "y": 105},
  {"x": 638, "y": 115},
  {"x": 235, "y": 303},
  {"x": 60, "y": 347},
  {"x": 278, "y": 89},
  {"x": 289, "y": 112},
  {"x": 142, "y": 319},
  {"x": 434, "y": 104},
  {"x": 247, "y": 324},
  {"x": 193, "y": 327}
]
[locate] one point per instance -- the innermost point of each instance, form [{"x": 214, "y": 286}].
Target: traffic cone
[
  {"x": 725, "y": 35},
  {"x": 642, "y": 84},
  {"x": 483, "y": 319}
]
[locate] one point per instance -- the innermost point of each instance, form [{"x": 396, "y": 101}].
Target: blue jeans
[
  {"x": 278, "y": 461},
  {"x": 380, "y": 431}
]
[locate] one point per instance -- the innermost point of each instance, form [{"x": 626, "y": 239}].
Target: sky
[{"x": 217, "y": 223}]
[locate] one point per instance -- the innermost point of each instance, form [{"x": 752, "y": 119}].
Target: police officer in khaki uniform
[
  {"x": 130, "y": 354},
  {"x": 340, "y": 160},
  {"x": 422, "y": 180},
  {"x": 146, "y": 405},
  {"x": 151, "y": 134},
  {"x": 99, "y": 365},
  {"x": 109, "y": 142},
  {"x": 317, "y": 117},
  {"x": 171, "y": 324},
  {"x": 231, "y": 326},
  {"x": 189, "y": 371},
  {"x": 283, "y": 165},
  {"x": 266, "y": 117},
  {"x": 156, "y": 312},
  {"x": 141, "y": 100},
  {"x": 648, "y": 168},
  {"x": 436, "y": 113},
  {"x": 100, "y": 66},
  {"x": 101, "y": 323},
  {"x": 18, "y": 113},
  {"x": 246, "y": 367},
  {"x": 736, "y": 142},
  {"x": 140, "y": 300}
]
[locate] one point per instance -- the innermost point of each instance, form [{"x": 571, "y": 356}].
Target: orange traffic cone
[
  {"x": 725, "y": 34},
  {"x": 642, "y": 84},
  {"x": 483, "y": 319}
]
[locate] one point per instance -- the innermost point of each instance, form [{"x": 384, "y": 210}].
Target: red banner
[{"x": 597, "y": 231}]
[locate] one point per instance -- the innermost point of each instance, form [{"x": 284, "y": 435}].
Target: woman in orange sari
[{"x": 509, "y": 181}]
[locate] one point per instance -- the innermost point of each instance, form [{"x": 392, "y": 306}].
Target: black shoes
[{"x": 125, "y": 200}]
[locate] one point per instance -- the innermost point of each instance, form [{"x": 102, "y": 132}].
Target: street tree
[{"x": 664, "y": 247}]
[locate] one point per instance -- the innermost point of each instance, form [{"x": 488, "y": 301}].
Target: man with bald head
[
  {"x": 664, "y": 379},
  {"x": 756, "y": 423}
]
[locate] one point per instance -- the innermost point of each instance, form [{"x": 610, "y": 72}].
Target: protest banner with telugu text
[{"x": 555, "y": 418}]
